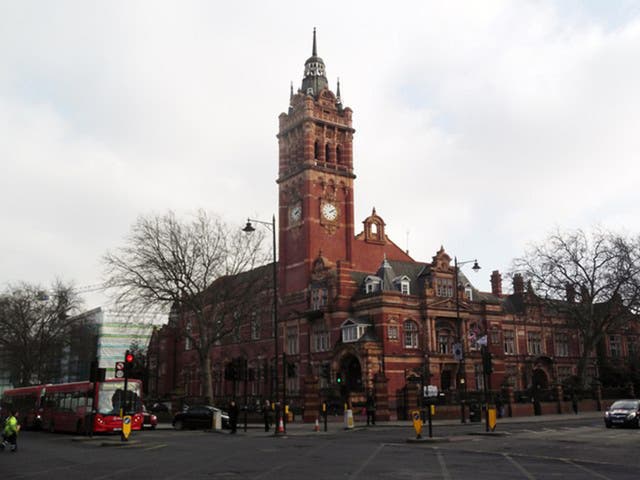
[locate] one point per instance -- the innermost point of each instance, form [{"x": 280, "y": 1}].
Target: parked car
[
  {"x": 149, "y": 420},
  {"x": 158, "y": 407},
  {"x": 623, "y": 413},
  {"x": 199, "y": 416}
]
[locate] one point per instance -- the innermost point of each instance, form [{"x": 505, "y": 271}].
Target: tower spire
[
  {"x": 314, "y": 52},
  {"x": 338, "y": 99},
  {"x": 315, "y": 78}
]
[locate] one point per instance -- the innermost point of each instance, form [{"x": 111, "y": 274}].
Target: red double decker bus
[{"x": 81, "y": 407}]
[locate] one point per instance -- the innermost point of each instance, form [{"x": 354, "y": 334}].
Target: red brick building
[{"x": 355, "y": 305}]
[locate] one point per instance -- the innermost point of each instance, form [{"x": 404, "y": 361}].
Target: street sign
[
  {"x": 430, "y": 391},
  {"x": 126, "y": 427},
  {"x": 119, "y": 369},
  {"x": 457, "y": 351}
]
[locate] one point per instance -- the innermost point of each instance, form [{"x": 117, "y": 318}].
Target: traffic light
[
  {"x": 487, "y": 363},
  {"x": 325, "y": 371},
  {"x": 339, "y": 378},
  {"x": 128, "y": 363}
]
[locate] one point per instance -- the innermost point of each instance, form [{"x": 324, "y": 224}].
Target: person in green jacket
[{"x": 10, "y": 433}]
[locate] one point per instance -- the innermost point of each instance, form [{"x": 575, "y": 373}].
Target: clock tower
[{"x": 315, "y": 178}]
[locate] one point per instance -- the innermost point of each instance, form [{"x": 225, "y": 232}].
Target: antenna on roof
[{"x": 407, "y": 250}]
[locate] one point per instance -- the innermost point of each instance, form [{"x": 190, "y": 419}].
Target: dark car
[
  {"x": 623, "y": 413},
  {"x": 149, "y": 420},
  {"x": 199, "y": 416},
  {"x": 159, "y": 407}
]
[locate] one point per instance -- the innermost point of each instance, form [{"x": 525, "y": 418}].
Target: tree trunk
[
  {"x": 583, "y": 361},
  {"x": 582, "y": 369},
  {"x": 206, "y": 378}
]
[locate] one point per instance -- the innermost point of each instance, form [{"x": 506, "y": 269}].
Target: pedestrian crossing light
[
  {"x": 339, "y": 379},
  {"x": 128, "y": 363}
]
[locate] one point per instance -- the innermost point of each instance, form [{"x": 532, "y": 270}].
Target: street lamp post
[
  {"x": 462, "y": 380},
  {"x": 272, "y": 226}
]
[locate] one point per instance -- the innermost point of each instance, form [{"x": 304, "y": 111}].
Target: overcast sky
[{"x": 480, "y": 126}]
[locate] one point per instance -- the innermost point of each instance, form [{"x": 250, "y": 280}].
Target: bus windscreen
[{"x": 111, "y": 397}]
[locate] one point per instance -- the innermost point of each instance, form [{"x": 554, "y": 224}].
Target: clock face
[
  {"x": 295, "y": 213},
  {"x": 329, "y": 211}
]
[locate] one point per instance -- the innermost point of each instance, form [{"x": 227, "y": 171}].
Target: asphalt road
[{"x": 565, "y": 448}]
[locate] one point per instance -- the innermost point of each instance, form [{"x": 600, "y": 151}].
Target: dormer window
[
  {"x": 353, "y": 330},
  {"x": 468, "y": 292},
  {"x": 372, "y": 284},
  {"x": 402, "y": 284}
]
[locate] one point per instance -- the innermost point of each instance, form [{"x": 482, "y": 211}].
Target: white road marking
[
  {"x": 519, "y": 467},
  {"x": 588, "y": 470},
  {"x": 443, "y": 466},
  {"x": 355, "y": 474}
]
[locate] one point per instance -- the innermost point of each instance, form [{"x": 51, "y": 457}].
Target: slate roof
[{"x": 416, "y": 272}]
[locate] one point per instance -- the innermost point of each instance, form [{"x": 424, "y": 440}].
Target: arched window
[
  {"x": 327, "y": 153},
  {"x": 316, "y": 150},
  {"x": 410, "y": 334},
  {"x": 338, "y": 154}
]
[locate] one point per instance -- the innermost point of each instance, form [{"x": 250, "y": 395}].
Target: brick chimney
[
  {"x": 518, "y": 284},
  {"x": 496, "y": 283}
]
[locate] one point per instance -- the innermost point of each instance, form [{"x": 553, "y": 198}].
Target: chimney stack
[
  {"x": 518, "y": 284},
  {"x": 496, "y": 283}
]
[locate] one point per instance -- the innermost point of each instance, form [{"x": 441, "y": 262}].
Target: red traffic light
[{"x": 128, "y": 358}]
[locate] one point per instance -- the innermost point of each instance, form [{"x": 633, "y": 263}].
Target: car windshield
[
  {"x": 625, "y": 404},
  {"x": 111, "y": 397}
]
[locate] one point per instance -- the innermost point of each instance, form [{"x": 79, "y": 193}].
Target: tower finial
[
  {"x": 314, "y": 53},
  {"x": 291, "y": 92},
  {"x": 338, "y": 92}
]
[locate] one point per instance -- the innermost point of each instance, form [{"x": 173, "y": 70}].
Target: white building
[{"x": 116, "y": 332}]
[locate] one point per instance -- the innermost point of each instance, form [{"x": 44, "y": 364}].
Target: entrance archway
[
  {"x": 540, "y": 379},
  {"x": 445, "y": 380},
  {"x": 352, "y": 371}
]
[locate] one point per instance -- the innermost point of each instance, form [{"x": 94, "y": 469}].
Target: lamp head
[
  {"x": 475, "y": 267},
  {"x": 248, "y": 227}
]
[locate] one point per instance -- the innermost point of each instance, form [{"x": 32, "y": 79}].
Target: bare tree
[
  {"x": 592, "y": 280},
  {"x": 35, "y": 326},
  {"x": 201, "y": 268}
]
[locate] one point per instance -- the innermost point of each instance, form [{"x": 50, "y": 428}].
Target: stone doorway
[{"x": 352, "y": 372}]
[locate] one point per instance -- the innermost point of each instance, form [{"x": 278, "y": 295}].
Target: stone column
[
  {"x": 559, "y": 397},
  {"x": 507, "y": 394},
  {"x": 311, "y": 399},
  {"x": 597, "y": 394},
  {"x": 382, "y": 397}
]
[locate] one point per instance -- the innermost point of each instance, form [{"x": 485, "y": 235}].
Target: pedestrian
[
  {"x": 499, "y": 406},
  {"x": 266, "y": 412},
  {"x": 10, "y": 432},
  {"x": 233, "y": 416},
  {"x": 371, "y": 408},
  {"x": 574, "y": 403}
]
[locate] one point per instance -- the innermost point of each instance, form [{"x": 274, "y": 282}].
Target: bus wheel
[
  {"x": 178, "y": 425},
  {"x": 52, "y": 427},
  {"x": 80, "y": 428}
]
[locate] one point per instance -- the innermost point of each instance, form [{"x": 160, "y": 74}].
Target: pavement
[{"x": 335, "y": 425}]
